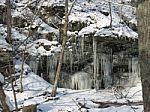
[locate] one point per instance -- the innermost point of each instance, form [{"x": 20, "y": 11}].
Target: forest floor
[{"x": 38, "y": 91}]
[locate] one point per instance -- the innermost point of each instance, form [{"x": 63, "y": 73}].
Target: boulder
[{"x": 30, "y": 108}]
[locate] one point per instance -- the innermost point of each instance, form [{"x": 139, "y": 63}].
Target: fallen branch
[
  {"x": 83, "y": 105},
  {"x": 109, "y": 104},
  {"x": 80, "y": 105}
]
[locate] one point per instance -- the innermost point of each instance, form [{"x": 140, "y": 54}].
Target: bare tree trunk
[
  {"x": 144, "y": 49},
  {"x": 8, "y": 21},
  {"x": 22, "y": 68},
  {"x": 14, "y": 94},
  {"x": 9, "y": 39},
  {"x": 110, "y": 15},
  {"x": 12, "y": 86},
  {"x": 5, "y": 107},
  {"x": 21, "y": 75},
  {"x": 62, "y": 51}
]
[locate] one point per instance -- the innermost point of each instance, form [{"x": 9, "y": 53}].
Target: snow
[
  {"x": 2, "y": 2},
  {"x": 34, "y": 82},
  {"x": 37, "y": 91},
  {"x": 2, "y": 78},
  {"x": 3, "y": 43},
  {"x": 44, "y": 28},
  {"x": 30, "y": 103},
  {"x": 53, "y": 2},
  {"x": 37, "y": 47},
  {"x": 69, "y": 100},
  {"x": 118, "y": 109},
  {"x": 16, "y": 36},
  {"x": 134, "y": 21},
  {"x": 18, "y": 65},
  {"x": 11, "y": 107},
  {"x": 93, "y": 14},
  {"x": 88, "y": 30},
  {"x": 33, "y": 86},
  {"x": 96, "y": 18},
  {"x": 117, "y": 32}
]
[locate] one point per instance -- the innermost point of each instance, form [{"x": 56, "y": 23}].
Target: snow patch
[{"x": 2, "y": 78}]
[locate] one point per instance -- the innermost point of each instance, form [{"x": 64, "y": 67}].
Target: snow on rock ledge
[
  {"x": 43, "y": 47},
  {"x": 124, "y": 31}
]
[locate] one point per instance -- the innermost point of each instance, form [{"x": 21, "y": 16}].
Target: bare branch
[{"x": 71, "y": 7}]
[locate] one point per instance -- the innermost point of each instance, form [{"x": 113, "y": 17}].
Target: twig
[
  {"x": 76, "y": 103},
  {"x": 71, "y": 7},
  {"x": 135, "y": 93}
]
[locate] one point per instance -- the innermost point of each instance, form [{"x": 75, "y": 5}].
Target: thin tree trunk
[
  {"x": 12, "y": 86},
  {"x": 2, "y": 94},
  {"x": 62, "y": 51},
  {"x": 14, "y": 94},
  {"x": 21, "y": 75},
  {"x": 8, "y": 21},
  {"x": 9, "y": 39},
  {"x": 5, "y": 107},
  {"x": 110, "y": 15},
  {"x": 22, "y": 68},
  {"x": 144, "y": 49}
]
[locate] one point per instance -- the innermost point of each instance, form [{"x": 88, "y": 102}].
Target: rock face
[
  {"x": 19, "y": 22},
  {"x": 30, "y": 108},
  {"x": 52, "y": 15},
  {"x": 3, "y": 14},
  {"x": 113, "y": 60},
  {"x": 4, "y": 60}
]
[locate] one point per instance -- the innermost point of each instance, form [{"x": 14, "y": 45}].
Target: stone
[{"x": 30, "y": 108}]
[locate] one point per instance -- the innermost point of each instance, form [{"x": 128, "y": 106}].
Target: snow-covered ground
[{"x": 37, "y": 91}]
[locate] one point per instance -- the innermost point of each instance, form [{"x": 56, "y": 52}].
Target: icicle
[
  {"x": 96, "y": 85},
  {"x": 71, "y": 61},
  {"x": 47, "y": 65},
  {"x": 135, "y": 66},
  {"x": 42, "y": 75},
  {"x": 130, "y": 70},
  {"x": 52, "y": 65},
  {"x": 49, "y": 61},
  {"x": 110, "y": 67},
  {"x": 129, "y": 65},
  {"x": 82, "y": 46},
  {"x": 34, "y": 62},
  {"x": 106, "y": 70},
  {"x": 101, "y": 76},
  {"x": 97, "y": 67},
  {"x": 81, "y": 80}
]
